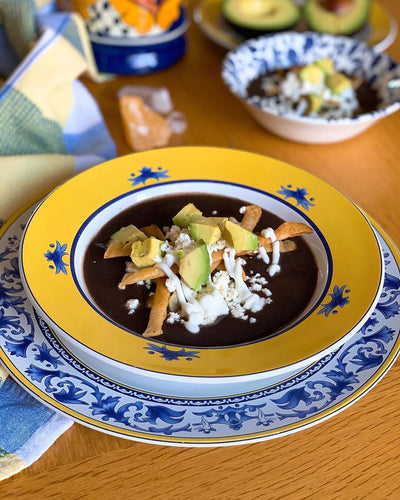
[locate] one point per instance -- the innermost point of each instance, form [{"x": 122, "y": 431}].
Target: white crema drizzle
[
  {"x": 198, "y": 308},
  {"x": 249, "y": 300},
  {"x": 274, "y": 267}
]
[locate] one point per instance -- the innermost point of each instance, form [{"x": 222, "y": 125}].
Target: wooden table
[{"x": 353, "y": 455}]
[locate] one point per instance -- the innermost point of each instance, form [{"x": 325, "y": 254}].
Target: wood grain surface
[{"x": 353, "y": 455}]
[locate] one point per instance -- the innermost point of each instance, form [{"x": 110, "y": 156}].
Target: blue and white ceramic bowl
[
  {"x": 285, "y": 50},
  {"x": 141, "y": 55}
]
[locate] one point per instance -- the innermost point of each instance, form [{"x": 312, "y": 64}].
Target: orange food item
[
  {"x": 143, "y": 128},
  {"x": 168, "y": 12},
  {"x": 139, "y": 14}
]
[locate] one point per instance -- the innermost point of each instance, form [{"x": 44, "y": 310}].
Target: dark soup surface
[{"x": 291, "y": 288}]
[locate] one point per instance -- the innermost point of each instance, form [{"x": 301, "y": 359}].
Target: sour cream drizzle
[
  {"x": 274, "y": 267},
  {"x": 250, "y": 300},
  {"x": 199, "y": 309}
]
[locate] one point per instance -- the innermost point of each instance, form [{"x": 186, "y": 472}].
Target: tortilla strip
[
  {"x": 118, "y": 249},
  {"x": 285, "y": 246},
  {"x": 251, "y": 217},
  {"x": 159, "y": 310},
  {"x": 287, "y": 230},
  {"x": 153, "y": 230},
  {"x": 147, "y": 273},
  {"x": 284, "y": 231}
]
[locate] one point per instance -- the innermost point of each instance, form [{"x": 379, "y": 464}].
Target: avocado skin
[
  {"x": 325, "y": 21},
  {"x": 245, "y": 28},
  {"x": 248, "y": 33}
]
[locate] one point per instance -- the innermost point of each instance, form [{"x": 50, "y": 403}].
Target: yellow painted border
[
  {"x": 207, "y": 441},
  {"x": 357, "y": 261}
]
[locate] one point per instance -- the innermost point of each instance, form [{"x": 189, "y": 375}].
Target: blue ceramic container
[{"x": 141, "y": 55}]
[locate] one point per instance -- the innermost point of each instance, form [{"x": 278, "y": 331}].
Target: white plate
[{"x": 37, "y": 361}]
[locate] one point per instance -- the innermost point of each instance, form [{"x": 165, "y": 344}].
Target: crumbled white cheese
[
  {"x": 218, "y": 245},
  {"x": 173, "y": 317},
  {"x": 132, "y": 305},
  {"x": 172, "y": 233},
  {"x": 170, "y": 284},
  {"x": 227, "y": 292}
]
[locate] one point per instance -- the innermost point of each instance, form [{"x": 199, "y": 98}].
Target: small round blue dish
[{"x": 141, "y": 55}]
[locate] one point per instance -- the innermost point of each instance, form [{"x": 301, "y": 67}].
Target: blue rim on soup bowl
[
  {"x": 267, "y": 54},
  {"x": 55, "y": 280}
]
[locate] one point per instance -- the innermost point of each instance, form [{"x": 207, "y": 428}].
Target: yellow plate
[
  {"x": 379, "y": 33},
  {"x": 63, "y": 224}
]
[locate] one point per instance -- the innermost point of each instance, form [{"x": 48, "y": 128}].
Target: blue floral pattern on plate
[
  {"x": 299, "y": 195},
  {"x": 34, "y": 354},
  {"x": 147, "y": 173},
  {"x": 55, "y": 255}
]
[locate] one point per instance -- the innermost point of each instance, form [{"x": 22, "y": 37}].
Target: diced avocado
[
  {"x": 144, "y": 254},
  {"x": 239, "y": 238},
  {"x": 311, "y": 73},
  {"x": 326, "y": 64},
  {"x": 337, "y": 83},
  {"x": 314, "y": 103},
  {"x": 220, "y": 221},
  {"x": 179, "y": 253},
  {"x": 215, "y": 221},
  {"x": 255, "y": 17},
  {"x": 195, "y": 267},
  {"x": 182, "y": 218},
  {"x": 339, "y": 18},
  {"x": 204, "y": 230},
  {"x": 128, "y": 234}
]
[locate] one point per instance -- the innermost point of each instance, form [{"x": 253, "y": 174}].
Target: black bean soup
[
  {"x": 367, "y": 97},
  {"x": 292, "y": 287}
]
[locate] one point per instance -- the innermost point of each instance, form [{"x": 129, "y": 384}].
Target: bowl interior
[
  {"x": 55, "y": 283},
  {"x": 269, "y": 53},
  {"x": 265, "y": 200}
]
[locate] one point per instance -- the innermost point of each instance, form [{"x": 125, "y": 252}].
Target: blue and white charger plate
[{"x": 41, "y": 365}]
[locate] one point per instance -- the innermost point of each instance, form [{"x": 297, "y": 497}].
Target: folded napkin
[{"x": 51, "y": 128}]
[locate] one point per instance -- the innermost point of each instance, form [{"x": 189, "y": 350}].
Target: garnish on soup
[
  {"x": 197, "y": 266},
  {"x": 315, "y": 90}
]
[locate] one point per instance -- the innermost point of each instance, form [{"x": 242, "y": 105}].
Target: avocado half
[
  {"x": 321, "y": 16},
  {"x": 251, "y": 18}
]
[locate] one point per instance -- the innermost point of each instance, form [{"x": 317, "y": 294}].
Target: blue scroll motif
[
  {"x": 147, "y": 173},
  {"x": 337, "y": 300},
  {"x": 298, "y": 194},
  {"x": 55, "y": 255},
  {"x": 171, "y": 355},
  {"x": 25, "y": 336}
]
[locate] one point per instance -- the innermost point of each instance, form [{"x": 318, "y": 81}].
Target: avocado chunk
[
  {"x": 128, "y": 234},
  {"x": 195, "y": 267},
  {"x": 250, "y": 18},
  {"x": 314, "y": 103},
  {"x": 337, "y": 83},
  {"x": 311, "y": 73},
  {"x": 146, "y": 253},
  {"x": 326, "y": 64},
  {"x": 205, "y": 230},
  {"x": 182, "y": 218},
  {"x": 324, "y": 18},
  {"x": 239, "y": 238},
  {"x": 215, "y": 221}
]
